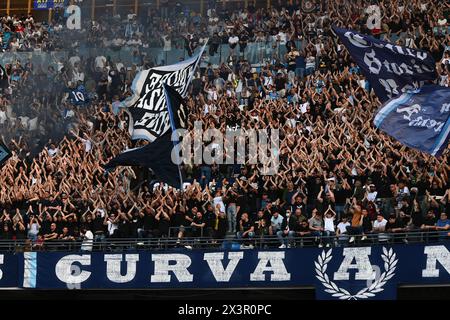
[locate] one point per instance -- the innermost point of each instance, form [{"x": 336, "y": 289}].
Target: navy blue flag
[
  {"x": 158, "y": 154},
  {"x": 419, "y": 120},
  {"x": 5, "y": 154},
  {"x": 390, "y": 69}
]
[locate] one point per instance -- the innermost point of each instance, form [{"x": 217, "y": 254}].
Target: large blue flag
[
  {"x": 390, "y": 69},
  {"x": 420, "y": 120}
]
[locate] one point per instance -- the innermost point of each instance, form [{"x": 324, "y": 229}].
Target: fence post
[
  {"x": 93, "y": 10},
  {"x": 29, "y": 6},
  {"x": 8, "y": 6}
]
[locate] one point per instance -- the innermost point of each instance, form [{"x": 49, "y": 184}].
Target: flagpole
[{"x": 172, "y": 125}]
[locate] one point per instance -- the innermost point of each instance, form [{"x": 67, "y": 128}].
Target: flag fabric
[
  {"x": 5, "y": 154},
  {"x": 158, "y": 154},
  {"x": 390, "y": 69},
  {"x": 419, "y": 120},
  {"x": 3, "y": 78},
  {"x": 148, "y": 106},
  {"x": 79, "y": 96}
]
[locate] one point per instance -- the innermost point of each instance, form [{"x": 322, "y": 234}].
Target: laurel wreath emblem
[{"x": 390, "y": 264}]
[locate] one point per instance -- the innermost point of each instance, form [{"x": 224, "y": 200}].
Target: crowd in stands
[{"x": 338, "y": 176}]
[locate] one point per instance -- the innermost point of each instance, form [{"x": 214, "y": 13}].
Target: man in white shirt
[
  {"x": 275, "y": 222},
  {"x": 52, "y": 150},
  {"x": 379, "y": 226},
  {"x": 232, "y": 41},
  {"x": 371, "y": 193},
  {"x": 341, "y": 230},
  {"x": 100, "y": 62},
  {"x": 88, "y": 239},
  {"x": 328, "y": 230}
]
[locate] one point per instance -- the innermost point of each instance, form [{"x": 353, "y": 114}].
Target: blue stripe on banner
[
  {"x": 386, "y": 110},
  {"x": 442, "y": 138},
  {"x": 29, "y": 269}
]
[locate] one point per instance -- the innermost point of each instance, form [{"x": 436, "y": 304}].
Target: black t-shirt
[
  {"x": 417, "y": 219},
  {"x": 280, "y": 83},
  {"x": 429, "y": 221},
  {"x": 97, "y": 225},
  {"x": 164, "y": 226},
  {"x": 246, "y": 225},
  {"x": 258, "y": 226},
  {"x": 178, "y": 219},
  {"x": 394, "y": 225},
  {"x": 367, "y": 224},
  {"x": 210, "y": 219},
  {"x": 149, "y": 222},
  {"x": 341, "y": 195}
]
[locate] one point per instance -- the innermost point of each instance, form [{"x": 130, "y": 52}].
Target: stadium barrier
[{"x": 345, "y": 273}]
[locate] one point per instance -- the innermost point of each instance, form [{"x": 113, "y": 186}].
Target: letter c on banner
[{"x": 63, "y": 269}]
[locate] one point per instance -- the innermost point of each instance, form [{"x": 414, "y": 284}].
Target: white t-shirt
[
  {"x": 2, "y": 117},
  {"x": 304, "y": 107},
  {"x": 371, "y": 196},
  {"x": 405, "y": 190},
  {"x": 233, "y": 39},
  {"x": 167, "y": 43},
  {"x": 380, "y": 225},
  {"x": 218, "y": 200},
  {"x": 328, "y": 224},
  {"x": 276, "y": 222},
  {"x": 343, "y": 227},
  {"x": 100, "y": 62},
  {"x": 87, "y": 145},
  {"x": 52, "y": 152},
  {"x": 88, "y": 241},
  {"x": 111, "y": 227},
  {"x": 442, "y": 22},
  {"x": 74, "y": 59}
]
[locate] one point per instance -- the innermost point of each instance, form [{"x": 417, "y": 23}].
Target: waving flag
[
  {"x": 79, "y": 96},
  {"x": 420, "y": 120},
  {"x": 148, "y": 106},
  {"x": 3, "y": 78},
  {"x": 5, "y": 154},
  {"x": 390, "y": 69},
  {"x": 158, "y": 154}
]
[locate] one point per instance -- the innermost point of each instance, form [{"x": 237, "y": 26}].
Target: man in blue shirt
[
  {"x": 300, "y": 66},
  {"x": 443, "y": 224}
]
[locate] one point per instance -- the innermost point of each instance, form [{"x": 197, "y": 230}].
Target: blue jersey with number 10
[{"x": 79, "y": 96}]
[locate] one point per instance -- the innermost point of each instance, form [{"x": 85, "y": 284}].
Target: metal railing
[
  {"x": 255, "y": 53},
  {"x": 259, "y": 242}
]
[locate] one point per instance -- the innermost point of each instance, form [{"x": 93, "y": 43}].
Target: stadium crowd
[{"x": 339, "y": 176}]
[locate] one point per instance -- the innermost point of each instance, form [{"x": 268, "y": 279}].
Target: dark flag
[
  {"x": 158, "y": 154},
  {"x": 5, "y": 154},
  {"x": 3, "y": 78},
  {"x": 390, "y": 69},
  {"x": 147, "y": 107},
  {"x": 419, "y": 120}
]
